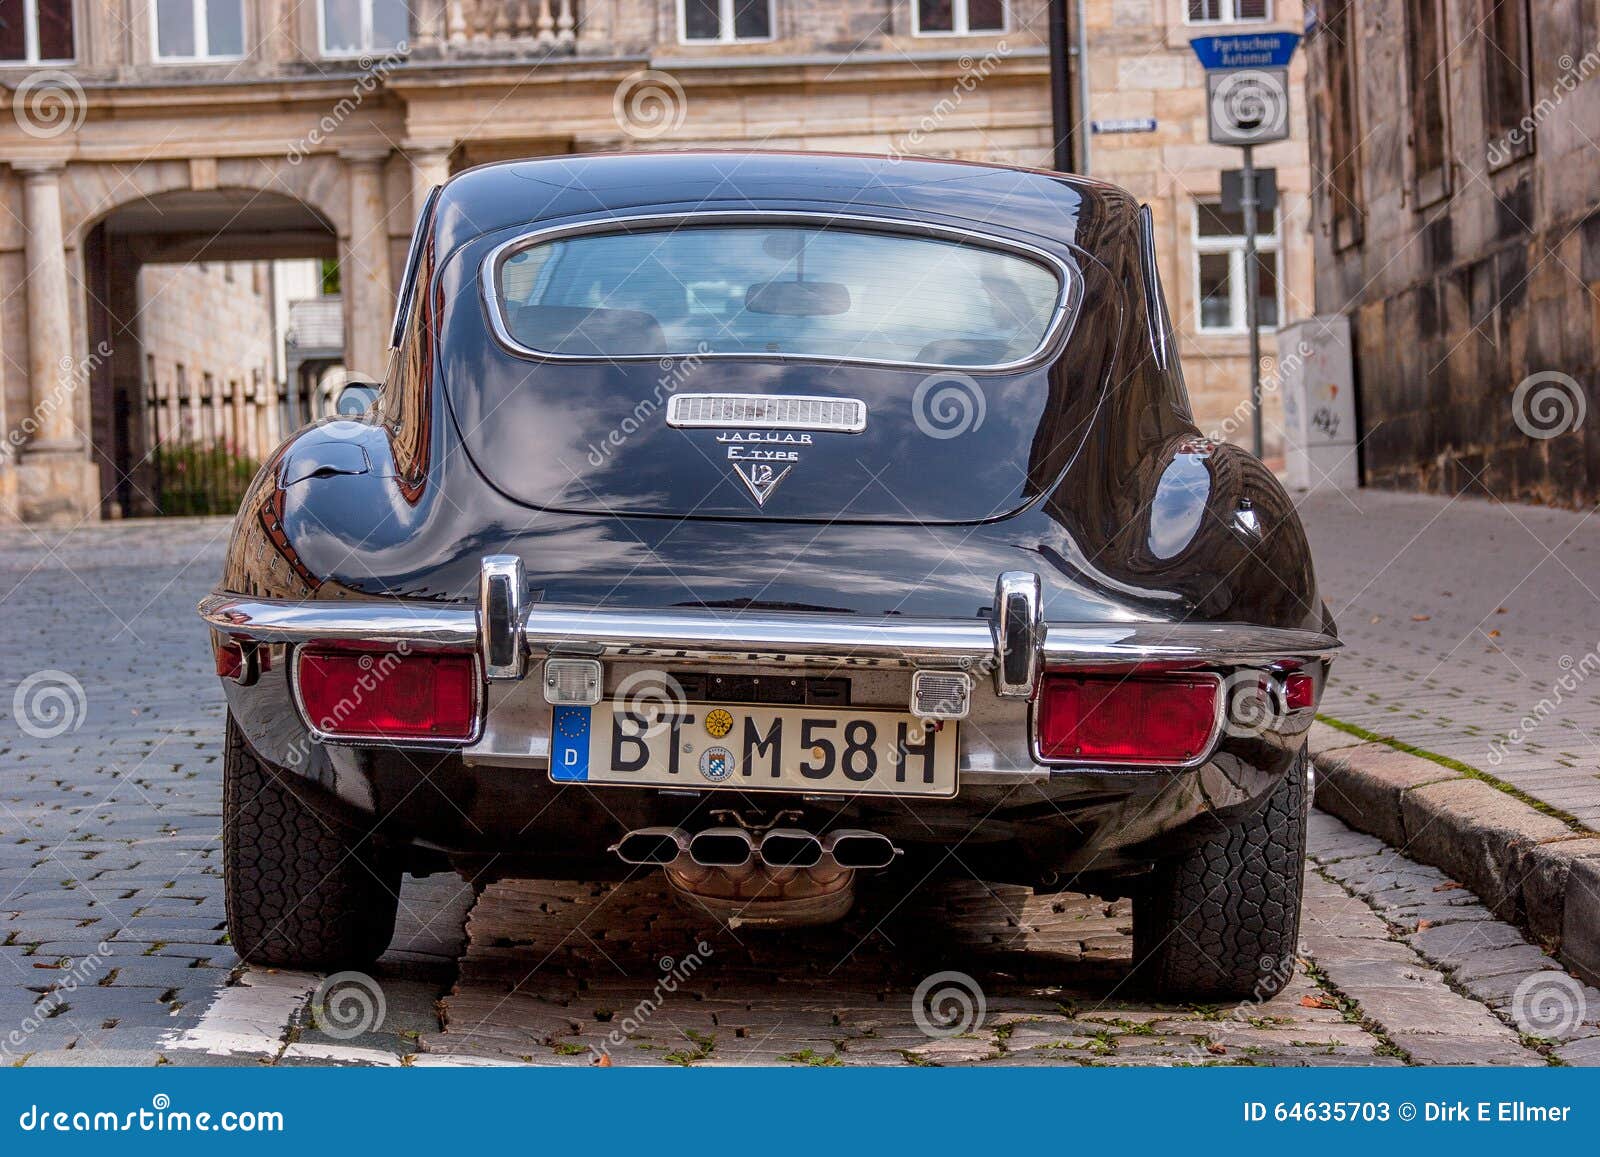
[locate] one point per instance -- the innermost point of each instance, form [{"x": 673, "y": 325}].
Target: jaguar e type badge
[{"x": 760, "y": 478}]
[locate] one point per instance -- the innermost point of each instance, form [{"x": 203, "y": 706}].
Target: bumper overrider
[{"x": 1020, "y": 797}]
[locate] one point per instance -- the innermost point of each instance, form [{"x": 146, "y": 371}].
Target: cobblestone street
[
  {"x": 115, "y": 951},
  {"x": 1461, "y": 619}
]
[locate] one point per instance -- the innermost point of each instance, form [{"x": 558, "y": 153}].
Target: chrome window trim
[
  {"x": 320, "y": 736},
  {"x": 1158, "y": 319},
  {"x": 1207, "y": 749},
  {"x": 408, "y": 278},
  {"x": 1069, "y": 296}
]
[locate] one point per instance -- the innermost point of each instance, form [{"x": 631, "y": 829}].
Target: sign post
[{"x": 1247, "y": 90}]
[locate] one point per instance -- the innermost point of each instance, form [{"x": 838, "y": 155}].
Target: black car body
[{"x": 626, "y": 428}]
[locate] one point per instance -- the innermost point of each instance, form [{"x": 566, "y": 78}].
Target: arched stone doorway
[{"x": 186, "y": 443}]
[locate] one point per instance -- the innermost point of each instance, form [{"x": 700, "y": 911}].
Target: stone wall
[{"x": 1458, "y": 299}]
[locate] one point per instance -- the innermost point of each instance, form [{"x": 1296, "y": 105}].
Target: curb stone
[{"x": 1529, "y": 868}]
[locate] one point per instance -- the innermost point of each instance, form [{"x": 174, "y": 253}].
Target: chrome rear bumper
[{"x": 508, "y": 634}]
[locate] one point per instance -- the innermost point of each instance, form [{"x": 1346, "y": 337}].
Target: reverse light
[
  {"x": 1167, "y": 719},
  {"x": 572, "y": 682},
  {"x": 388, "y": 695},
  {"x": 940, "y": 694}
]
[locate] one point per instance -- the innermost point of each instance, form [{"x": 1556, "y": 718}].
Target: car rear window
[{"x": 795, "y": 290}]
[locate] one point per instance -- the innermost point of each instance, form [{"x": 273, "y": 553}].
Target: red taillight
[
  {"x": 1299, "y": 691},
  {"x": 1141, "y": 719},
  {"x": 388, "y": 695}
]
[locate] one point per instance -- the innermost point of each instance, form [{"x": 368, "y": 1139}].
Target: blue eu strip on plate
[{"x": 569, "y": 745}]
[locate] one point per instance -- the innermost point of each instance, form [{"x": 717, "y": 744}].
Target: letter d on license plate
[{"x": 707, "y": 745}]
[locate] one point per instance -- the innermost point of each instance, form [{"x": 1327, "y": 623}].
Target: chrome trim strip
[
  {"x": 500, "y": 589},
  {"x": 1019, "y": 634},
  {"x": 1068, "y": 300},
  {"x": 755, "y": 636},
  {"x": 678, "y": 403},
  {"x": 388, "y": 621},
  {"x": 408, "y": 279}
]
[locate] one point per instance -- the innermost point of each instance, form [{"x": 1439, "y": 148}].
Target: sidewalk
[{"x": 1473, "y": 632}]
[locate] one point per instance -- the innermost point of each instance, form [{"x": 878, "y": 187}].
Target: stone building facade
[
  {"x": 1458, "y": 225},
  {"x": 1142, "y": 68},
  {"x": 248, "y": 130}
]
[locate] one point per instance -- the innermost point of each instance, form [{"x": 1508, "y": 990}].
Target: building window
[
  {"x": 1229, "y": 11},
  {"x": 1508, "y": 80},
  {"x": 1339, "y": 120},
  {"x": 351, "y": 27},
  {"x": 724, "y": 21},
  {"x": 198, "y": 29},
  {"x": 1429, "y": 90},
  {"x": 959, "y": 17},
  {"x": 1220, "y": 271},
  {"x": 36, "y": 31}
]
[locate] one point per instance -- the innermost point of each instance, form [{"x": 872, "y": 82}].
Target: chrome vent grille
[{"x": 768, "y": 412}]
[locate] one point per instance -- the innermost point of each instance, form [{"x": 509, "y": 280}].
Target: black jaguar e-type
[{"x": 773, "y": 519}]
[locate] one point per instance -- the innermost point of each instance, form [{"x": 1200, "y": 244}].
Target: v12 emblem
[{"x": 760, "y": 478}]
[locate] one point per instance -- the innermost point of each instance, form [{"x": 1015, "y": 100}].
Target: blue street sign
[{"x": 1251, "y": 50}]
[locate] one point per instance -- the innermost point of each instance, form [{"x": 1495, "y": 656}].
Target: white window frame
[
  {"x": 1233, "y": 247},
  {"x": 202, "y": 36},
  {"x": 366, "y": 46},
  {"x": 30, "y": 39},
  {"x": 1230, "y": 15},
  {"x": 725, "y": 29},
  {"x": 960, "y": 21}
]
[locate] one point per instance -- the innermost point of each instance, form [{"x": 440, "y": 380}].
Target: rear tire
[
  {"x": 1222, "y": 922},
  {"x": 303, "y": 889}
]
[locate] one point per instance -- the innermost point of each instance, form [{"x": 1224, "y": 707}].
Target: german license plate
[{"x": 800, "y": 749}]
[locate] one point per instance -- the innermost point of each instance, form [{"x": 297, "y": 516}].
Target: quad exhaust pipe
[{"x": 778, "y": 848}]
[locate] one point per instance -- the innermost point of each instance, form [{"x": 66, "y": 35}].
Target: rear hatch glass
[
  {"x": 754, "y": 370},
  {"x": 786, "y": 290}
]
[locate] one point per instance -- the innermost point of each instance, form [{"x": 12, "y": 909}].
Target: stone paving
[
  {"x": 115, "y": 949},
  {"x": 1466, "y": 621}
]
